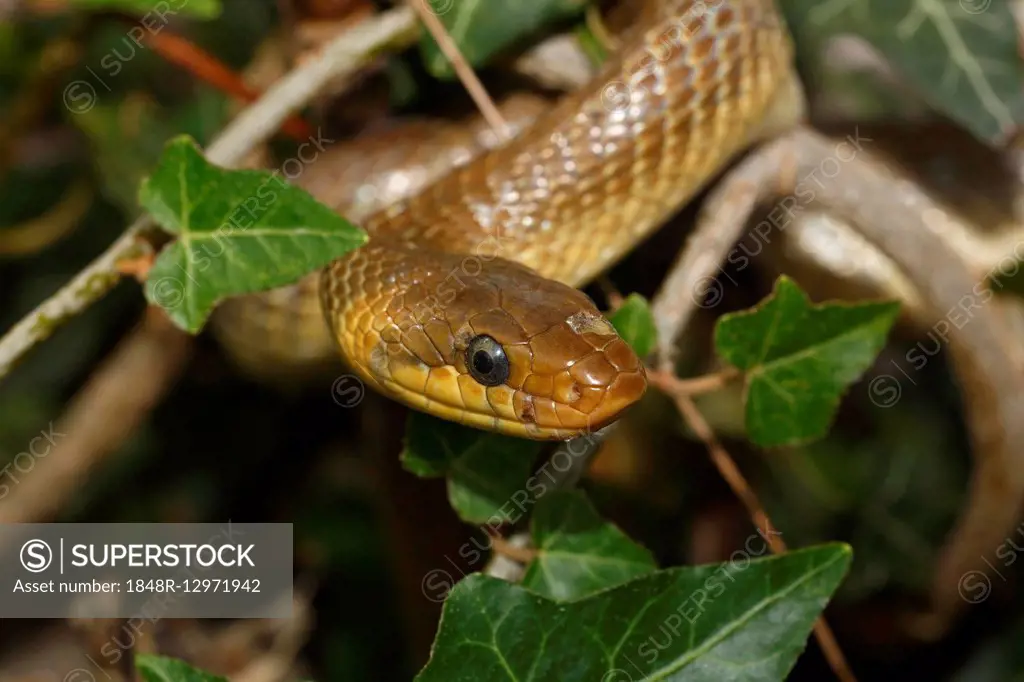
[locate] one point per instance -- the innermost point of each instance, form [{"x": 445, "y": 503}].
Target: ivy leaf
[
  {"x": 800, "y": 358},
  {"x": 578, "y": 552},
  {"x": 482, "y": 29},
  {"x": 238, "y": 232},
  {"x": 159, "y": 10},
  {"x": 961, "y": 55},
  {"x": 487, "y": 472},
  {"x": 162, "y": 669},
  {"x": 892, "y": 491},
  {"x": 428, "y": 451},
  {"x": 635, "y": 324},
  {"x": 736, "y": 621}
]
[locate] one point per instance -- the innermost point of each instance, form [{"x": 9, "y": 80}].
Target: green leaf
[
  {"x": 635, "y": 324},
  {"x": 162, "y": 669},
  {"x": 238, "y": 232},
  {"x": 578, "y": 552},
  {"x": 487, "y": 472},
  {"x": 158, "y": 11},
  {"x": 961, "y": 55},
  {"x": 800, "y": 358},
  {"x": 591, "y": 45},
  {"x": 483, "y": 28},
  {"x": 892, "y": 489},
  {"x": 746, "y": 620}
]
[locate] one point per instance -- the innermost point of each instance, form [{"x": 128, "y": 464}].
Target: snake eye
[{"x": 487, "y": 361}]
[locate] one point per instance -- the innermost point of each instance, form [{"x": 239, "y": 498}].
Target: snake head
[{"x": 500, "y": 348}]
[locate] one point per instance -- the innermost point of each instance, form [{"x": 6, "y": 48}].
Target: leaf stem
[
  {"x": 523, "y": 555},
  {"x": 101, "y": 416},
  {"x": 731, "y": 473},
  {"x": 88, "y": 286},
  {"x": 708, "y": 383}
]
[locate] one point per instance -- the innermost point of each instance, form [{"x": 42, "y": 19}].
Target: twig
[
  {"x": 508, "y": 553},
  {"x": 155, "y": 351},
  {"x": 513, "y": 553},
  {"x": 463, "y": 69},
  {"x": 504, "y": 566},
  {"x": 509, "y": 550},
  {"x": 118, "y": 396},
  {"x": 610, "y": 291},
  {"x": 87, "y": 286},
  {"x": 989, "y": 365},
  {"x": 731, "y": 473},
  {"x": 673, "y": 385},
  {"x": 728, "y": 469},
  {"x": 343, "y": 55},
  {"x": 278, "y": 662},
  {"x": 208, "y": 68},
  {"x": 723, "y": 220},
  {"x": 589, "y": 442}
]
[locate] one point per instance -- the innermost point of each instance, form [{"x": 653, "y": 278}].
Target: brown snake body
[
  {"x": 463, "y": 305},
  {"x": 574, "y": 193},
  {"x": 279, "y": 336}
]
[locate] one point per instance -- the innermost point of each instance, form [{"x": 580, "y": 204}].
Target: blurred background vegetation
[{"x": 210, "y": 442}]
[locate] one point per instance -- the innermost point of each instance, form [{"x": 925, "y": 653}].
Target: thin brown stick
[
  {"x": 462, "y": 68},
  {"x": 100, "y": 418},
  {"x": 719, "y": 456},
  {"x": 610, "y": 291},
  {"x": 206, "y": 67},
  {"x": 731, "y": 473},
  {"x": 156, "y": 351},
  {"x": 523, "y": 555},
  {"x": 871, "y": 196},
  {"x": 344, "y": 55},
  {"x": 708, "y": 383},
  {"x": 288, "y": 638},
  {"x": 501, "y": 546},
  {"x": 507, "y": 568}
]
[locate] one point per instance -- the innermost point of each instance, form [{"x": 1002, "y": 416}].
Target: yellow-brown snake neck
[{"x": 490, "y": 253}]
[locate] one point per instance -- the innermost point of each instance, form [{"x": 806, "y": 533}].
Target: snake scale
[
  {"x": 463, "y": 304},
  {"x": 485, "y": 258}
]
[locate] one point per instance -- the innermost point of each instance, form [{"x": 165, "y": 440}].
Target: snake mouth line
[
  {"x": 568, "y": 198},
  {"x": 626, "y": 390}
]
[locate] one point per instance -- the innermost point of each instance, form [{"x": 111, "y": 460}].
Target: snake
[
  {"x": 278, "y": 337},
  {"x": 464, "y": 304},
  {"x": 973, "y": 182}
]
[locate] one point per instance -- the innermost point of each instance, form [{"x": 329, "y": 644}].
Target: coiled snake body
[
  {"x": 462, "y": 304},
  {"x": 483, "y": 260}
]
